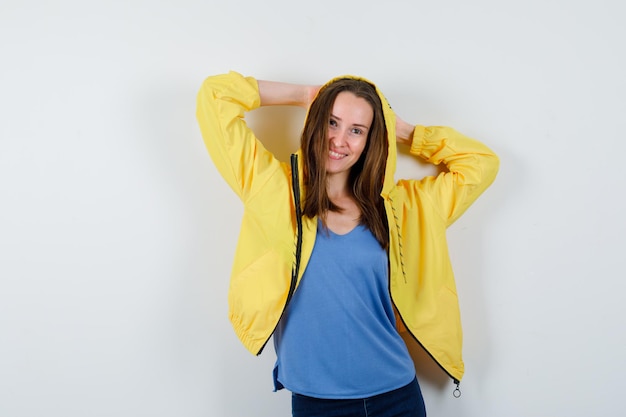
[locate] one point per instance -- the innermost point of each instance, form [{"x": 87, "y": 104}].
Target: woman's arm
[
  {"x": 404, "y": 131},
  {"x": 471, "y": 165},
  {"x": 223, "y": 101},
  {"x": 274, "y": 93}
]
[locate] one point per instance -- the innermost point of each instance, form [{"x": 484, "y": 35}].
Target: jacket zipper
[{"x": 295, "y": 186}]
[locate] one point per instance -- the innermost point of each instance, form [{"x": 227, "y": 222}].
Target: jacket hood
[{"x": 390, "y": 124}]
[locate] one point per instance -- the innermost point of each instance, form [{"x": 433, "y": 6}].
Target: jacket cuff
[{"x": 418, "y": 142}]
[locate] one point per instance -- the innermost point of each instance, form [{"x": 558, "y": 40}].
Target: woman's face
[{"x": 349, "y": 125}]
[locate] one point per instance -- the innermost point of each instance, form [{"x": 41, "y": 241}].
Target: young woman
[{"x": 334, "y": 256}]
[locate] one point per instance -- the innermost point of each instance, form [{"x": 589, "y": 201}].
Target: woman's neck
[{"x": 338, "y": 187}]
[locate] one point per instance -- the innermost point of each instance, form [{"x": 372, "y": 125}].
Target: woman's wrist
[
  {"x": 275, "y": 93},
  {"x": 404, "y": 131}
]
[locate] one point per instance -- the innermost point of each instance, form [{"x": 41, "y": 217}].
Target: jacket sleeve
[
  {"x": 236, "y": 152},
  {"x": 471, "y": 168}
]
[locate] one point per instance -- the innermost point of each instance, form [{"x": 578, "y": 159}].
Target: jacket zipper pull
[{"x": 457, "y": 391}]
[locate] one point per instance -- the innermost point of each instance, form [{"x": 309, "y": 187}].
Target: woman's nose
[{"x": 338, "y": 137}]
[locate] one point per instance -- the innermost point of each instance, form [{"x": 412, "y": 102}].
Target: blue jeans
[{"x": 402, "y": 402}]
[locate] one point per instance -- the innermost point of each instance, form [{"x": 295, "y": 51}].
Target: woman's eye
[
  {"x": 332, "y": 122},
  {"x": 357, "y": 131}
]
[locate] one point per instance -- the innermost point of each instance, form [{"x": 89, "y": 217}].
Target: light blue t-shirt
[{"x": 338, "y": 338}]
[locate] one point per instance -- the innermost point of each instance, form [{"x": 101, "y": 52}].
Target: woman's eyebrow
[{"x": 356, "y": 124}]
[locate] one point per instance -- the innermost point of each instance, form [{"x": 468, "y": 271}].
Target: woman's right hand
[{"x": 312, "y": 91}]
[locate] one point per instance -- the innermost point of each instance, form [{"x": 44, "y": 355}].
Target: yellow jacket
[{"x": 421, "y": 280}]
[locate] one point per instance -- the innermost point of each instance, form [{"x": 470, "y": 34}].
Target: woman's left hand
[{"x": 404, "y": 131}]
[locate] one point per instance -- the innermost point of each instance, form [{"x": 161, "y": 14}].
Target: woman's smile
[{"x": 336, "y": 155}]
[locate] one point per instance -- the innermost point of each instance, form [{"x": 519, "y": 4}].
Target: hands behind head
[
  {"x": 310, "y": 94},
  {"x": 404, "y": 131}
]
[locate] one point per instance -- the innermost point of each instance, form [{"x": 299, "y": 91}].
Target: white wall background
[{"x": 117, "y": 233}]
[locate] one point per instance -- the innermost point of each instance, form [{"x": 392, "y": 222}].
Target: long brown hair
[{"x": 366, "y": 176}]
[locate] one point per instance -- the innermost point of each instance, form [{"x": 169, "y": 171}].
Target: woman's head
[
  {"x": 345, "y": 134},
  {"x": 346, "y": 115}
]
